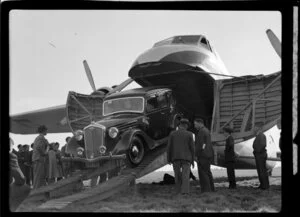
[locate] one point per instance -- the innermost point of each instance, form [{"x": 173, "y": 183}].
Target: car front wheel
[{"x": 136, "y": 151}]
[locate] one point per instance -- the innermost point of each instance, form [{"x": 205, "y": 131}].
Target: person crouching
[{"x": 180, "y": 152}]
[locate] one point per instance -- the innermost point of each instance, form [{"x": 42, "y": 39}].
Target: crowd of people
[
  {"x": 39, "y": 166},
  {"x": 185, "y": 147},
  {"x": 42, "y": 164}
]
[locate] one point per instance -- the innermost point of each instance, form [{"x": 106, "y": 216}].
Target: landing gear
[{"x": 136, "y": 151}]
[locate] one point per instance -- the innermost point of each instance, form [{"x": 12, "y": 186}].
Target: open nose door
[
  {"x": 245, "y": 101},
  {"x": 83, "y": 109}
]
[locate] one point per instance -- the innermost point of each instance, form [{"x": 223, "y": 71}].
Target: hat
[
  {"x": 199, "y": 120},
  {"x": 228, "y": 129},
  {"x": 184, "y": 121}
]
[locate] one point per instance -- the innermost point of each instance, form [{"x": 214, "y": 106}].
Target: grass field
[{"x": 147, "y": 197}]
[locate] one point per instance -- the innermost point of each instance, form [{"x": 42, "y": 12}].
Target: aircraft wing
[{"x": 27, "y": 123}]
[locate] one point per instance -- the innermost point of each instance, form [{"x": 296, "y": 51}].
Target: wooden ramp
[{"x": 153, "y": 161}]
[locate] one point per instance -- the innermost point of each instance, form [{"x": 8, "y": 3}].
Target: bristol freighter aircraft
[{"x": 182, "y": 76}]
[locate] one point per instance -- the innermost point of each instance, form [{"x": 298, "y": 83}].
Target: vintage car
[{"x": 133, "y": 122}]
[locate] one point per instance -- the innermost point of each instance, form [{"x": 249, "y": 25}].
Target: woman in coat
[
  {"x": 58, "y": 160},
  {"x": 53, "y": 172},
  {"x": 230, "y": 157}
]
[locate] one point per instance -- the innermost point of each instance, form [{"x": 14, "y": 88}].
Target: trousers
[
  {"x": 260, "y": 160},
  {"x": 231, "y": 173},
  {"x": 182, "y": 176},
  {"x": 205, "y": 176}
]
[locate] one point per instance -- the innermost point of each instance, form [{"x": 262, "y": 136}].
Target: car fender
[{"x": 123, "y": 144}]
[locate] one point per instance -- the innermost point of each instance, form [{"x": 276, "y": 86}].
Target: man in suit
[
  {"x": 180, "y": 152},
  {"x": 260, "y": 154},
  {"x": 204, "y": 155},
  {"x": 40, "y": 152},
  {"x": 230, "y": 157}
]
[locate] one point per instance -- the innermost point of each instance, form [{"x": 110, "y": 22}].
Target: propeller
[
  {"x": 274, "y": 41},
  {"x": 89, "y": 74},
  {"x": 115, "y": 88}
]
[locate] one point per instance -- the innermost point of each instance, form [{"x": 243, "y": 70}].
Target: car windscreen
[{"x": 128, "y": 104}]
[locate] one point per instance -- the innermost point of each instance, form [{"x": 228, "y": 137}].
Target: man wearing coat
[
  {"x": 40, "y": 152},
  {"x": 180, "y": 152},
  {"x": 260, "y": 154},
  {"x": 204, "y": 155},
  {"x": 230, "y": 157}
]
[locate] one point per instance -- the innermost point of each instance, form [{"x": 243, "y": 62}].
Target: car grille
[{"x": 93, "y": 138}]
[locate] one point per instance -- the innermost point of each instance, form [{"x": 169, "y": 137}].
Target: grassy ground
[{"x": 147, "y": 197}]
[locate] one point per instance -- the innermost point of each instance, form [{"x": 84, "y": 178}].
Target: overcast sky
[{"x": 47, "y": 49}]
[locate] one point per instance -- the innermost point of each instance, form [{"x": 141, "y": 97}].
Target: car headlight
[
  {"x": 102, "y": 149},
  {"x": 113, "y": 132},
  {"x": 80, "y": 151},
  {"x": 78, "y": 135}
]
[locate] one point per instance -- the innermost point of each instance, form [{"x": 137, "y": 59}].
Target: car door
[{"x": 158, "y": 112}]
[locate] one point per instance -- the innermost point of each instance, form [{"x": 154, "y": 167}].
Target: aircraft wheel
[{"x": 136, "y": 151}]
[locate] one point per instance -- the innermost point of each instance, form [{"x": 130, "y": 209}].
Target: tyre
[{"x": 136, "y": 152}]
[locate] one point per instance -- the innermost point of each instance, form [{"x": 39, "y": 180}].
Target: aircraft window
[
  {"x": 163, "y": 42},
  {"x": 204, "y": 41},
  {"x": 188, "y": 39}
]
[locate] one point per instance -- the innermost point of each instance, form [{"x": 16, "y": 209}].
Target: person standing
[
  {"x": 204, "y": 155},
  {"x": 180, "y": 152},
  {"x": 40, "y": 152},
  {"x": 58, "y": 160},
  {"x": 230, "y": 157},
  {"x": 21, "y": 158},
  {"x": 31, "y": 165},
  {"x": 66, "y": 165},
  {"x": 27, "y": 164},
  {"x": 16, "y": 175},
  {"x": 52, "y": 164},
  {"x": 260, "y": 154}
]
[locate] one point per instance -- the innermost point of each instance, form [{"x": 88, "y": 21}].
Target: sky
[{"x": 47, "y": 48}]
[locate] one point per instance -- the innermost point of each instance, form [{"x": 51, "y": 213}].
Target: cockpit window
[
  {"x": 128, "y": 104},
  {"x": 189, "y": 39},
  {"x": 206, "y": 43}
]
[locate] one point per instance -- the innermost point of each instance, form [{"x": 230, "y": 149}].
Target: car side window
[
  {"x": 152, "y": 104},
  {"x": 162, "y": 101},
  {"x": 156, "y": 102}
]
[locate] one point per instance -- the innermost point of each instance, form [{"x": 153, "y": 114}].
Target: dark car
[{"x": 133, "y": 122}]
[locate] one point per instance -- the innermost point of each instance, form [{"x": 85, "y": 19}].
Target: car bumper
[{"x": 94, "y": 160}]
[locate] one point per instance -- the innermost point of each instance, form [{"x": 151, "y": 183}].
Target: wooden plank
[{"x": 273, "y": 94}]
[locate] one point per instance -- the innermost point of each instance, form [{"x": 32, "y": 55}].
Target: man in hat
[
  {"x": 180, "y": 152},
  {"x": 230, "y": 157},
  {"x": 40, "y": 151},
  {"x": 260, "y": 154},
  {"x": 204, "y": 155}
]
